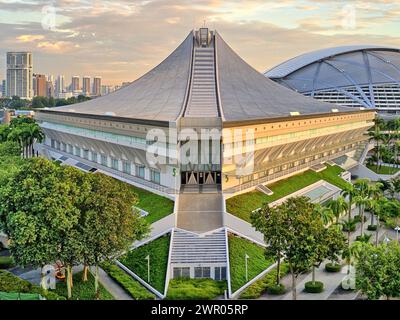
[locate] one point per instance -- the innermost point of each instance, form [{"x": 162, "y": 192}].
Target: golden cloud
[{"x": 30, "y": 37}]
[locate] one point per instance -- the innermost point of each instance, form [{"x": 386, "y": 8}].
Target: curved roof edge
[{"x": 285, "y": 68}]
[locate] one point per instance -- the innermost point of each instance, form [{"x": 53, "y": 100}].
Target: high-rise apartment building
[
  {"x": 60, "y": 86},
  {"x": 49, "y": 89},
  {"x": 86, "y": 85},
  {"x": 39, "y": 85},
  {"x": 19, "y": 75},
  {"x": 75, "y": 83},
  {"x": 97, "y": 86},
  {"x": 3, "y": 88}
]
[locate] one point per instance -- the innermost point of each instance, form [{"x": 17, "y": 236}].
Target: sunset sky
[{"x": 121, "y": 40}]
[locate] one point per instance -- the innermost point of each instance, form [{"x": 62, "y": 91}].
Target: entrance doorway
[{"x": 200, "y": 178}]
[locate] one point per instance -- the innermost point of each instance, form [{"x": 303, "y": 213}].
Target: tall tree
[
  {"x": 108, "y": 223},
  {"x": 271, "y": 223}
]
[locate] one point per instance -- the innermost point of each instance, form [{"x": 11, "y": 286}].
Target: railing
[{"x": 274, "y": 176}]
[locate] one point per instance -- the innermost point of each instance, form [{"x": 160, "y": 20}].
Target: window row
[{"x": 115, "y": 164}]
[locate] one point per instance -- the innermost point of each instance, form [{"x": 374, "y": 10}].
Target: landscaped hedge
[
  {"x": 372, "y": 227},
  {"x": 157, "y": 250},
  {"x": 276, "y": 289},
  {"x": 314, "y": 287},
  {"x": 263, "y": 285},
  {"x": 333, "y": 267},
  {"x": 130, "y": 285},
  {"x": 12, "y": 283},
  {"x": 195, "y": 289},
  {"x": 6, "y": 262}
]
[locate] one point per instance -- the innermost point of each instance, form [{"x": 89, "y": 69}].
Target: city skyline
[{"x": 63, "y": 42}]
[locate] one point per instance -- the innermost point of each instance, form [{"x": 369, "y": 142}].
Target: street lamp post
[
  {"x": 397, "y": 232},
  {"x": 377, "y": 231},
  {"x": 148, "y": 268},
  {"x": 246, "y": 257}
]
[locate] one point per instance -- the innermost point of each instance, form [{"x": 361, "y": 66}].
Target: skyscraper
[
  {"x": 49, "y": 89},
  {"x": 86, "y": 85},
  {"x": 40, "y": 85},
  {"x": 3, "y": 88},
  {"x": 97, "y": 86},
  {"x": 60, "y": 85},
  {"x": 19, "y": 74},
  {"x": 75, "y": 83}
]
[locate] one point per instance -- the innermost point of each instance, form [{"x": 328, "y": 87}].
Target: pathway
[{"x": 113, "y": 287}]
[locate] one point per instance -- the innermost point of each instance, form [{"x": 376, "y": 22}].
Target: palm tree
[
  {"x": 338, "y": 206},
  {"x": 375, "y": 193},
  {"x": 324, "y": 213},
  {"x": 349, "y": 192},
  {"x": 362, "y": 198}
]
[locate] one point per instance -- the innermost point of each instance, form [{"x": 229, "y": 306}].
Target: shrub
[
  {"x": 357, "y": 218},
  {"x": 349, "y": 226},
  {"x": 277, "y": 289},
  {"x": 6, "y": 262},
  {"x": 333, "y": 267},
  {"x": 314, "y": 287},
  {"x": 194, "y": 289},
  {"x": 365, "y": 238},
  {"x": 11, "y": 283},
  {"x": 130, "y": 285},
  {"x": 372, "y": 227},
  {"x": 260, "y": 286}
]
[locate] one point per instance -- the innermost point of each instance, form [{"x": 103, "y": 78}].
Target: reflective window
[
  {"x": 140, "y": 171},
  {"x": 126, "y": 167}
]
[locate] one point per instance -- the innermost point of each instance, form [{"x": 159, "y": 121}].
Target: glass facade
[
  {"x": 126, "y": 167},
  {"x": 114, "y": 164},
  {"x": 140, "y": 171},
  {"x": 155, "y": 176},
  {"x": 104, "y": 161}
]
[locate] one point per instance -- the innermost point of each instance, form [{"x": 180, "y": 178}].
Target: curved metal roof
[{"x": 291, "y": 65}]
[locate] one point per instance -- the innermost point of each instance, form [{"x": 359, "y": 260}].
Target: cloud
[
  {"x": 121, "y": 40},
  {"x": 30, "y": 37}
]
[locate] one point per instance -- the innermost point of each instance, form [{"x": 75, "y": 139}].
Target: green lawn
[
  {"x": 83, "y": 290},
  {"x": 382, "y": 169},
  {"x": 10, "y": 283},
  {"x": 195, "y": 289},
  {"x": 157, "y": 206},
  {"x": 243, "y": 204},
  {"x": 238, "y": 248},
  {"x": 158, "y": 251}
]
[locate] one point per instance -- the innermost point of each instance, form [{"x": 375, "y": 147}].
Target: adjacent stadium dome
[{"x": 355, "y": 76}]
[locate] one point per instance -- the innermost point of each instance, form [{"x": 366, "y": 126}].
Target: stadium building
[
  {"x": 268, "y": 132},
  {"x": 353, "y": 76}
]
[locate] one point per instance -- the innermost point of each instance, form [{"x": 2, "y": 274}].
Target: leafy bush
[
  {"x": 11, "y": 283},
  {"x": 130, "y": 285},
  {"x": 333, "y": 267},
  {"x": 277, "y": 289},
  {"x": 157, "y": 250},
  {"x": 357, "y": 218},
  {"x": 365, "y": 238},
  {"x": 349, "y": 226},
  {"x": 194, "y": 289},
  {"x": 314, "y": 287},
  {"x": 390, "y": 223},
  {"x": 372, "y": 227},
  {"x": 6, "y": 262},
  {"x": 261, "y": 286}
]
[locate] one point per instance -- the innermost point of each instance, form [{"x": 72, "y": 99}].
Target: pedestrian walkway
[
  {"x": 332, "y": 281},
  {"x": 113, "y": 287}
]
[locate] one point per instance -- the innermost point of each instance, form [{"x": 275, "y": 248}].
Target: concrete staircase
[
  {"x": 188, "y": 247},
  {"x": 203, "y": 98}
]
